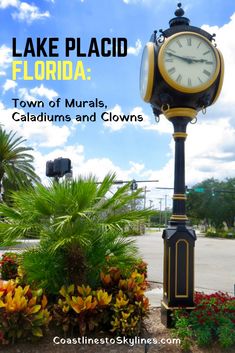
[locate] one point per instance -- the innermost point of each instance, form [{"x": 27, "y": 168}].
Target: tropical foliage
[
  {"x": 118, "y": 306},
  {"x": 80, "y": 224},
  {"x": 16, "y": 169},
  {"x": 23, "y": 312}
]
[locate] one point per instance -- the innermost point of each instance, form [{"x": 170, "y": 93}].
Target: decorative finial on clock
[
  {"x": 179, "y": 12},
  {"x": 179, "y": 20}
]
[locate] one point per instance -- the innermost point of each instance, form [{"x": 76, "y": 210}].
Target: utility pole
[
  {"x": 145, "y": 192},
  {"x": 150, "y": 206},
  {"x": 166, "y": 210}
]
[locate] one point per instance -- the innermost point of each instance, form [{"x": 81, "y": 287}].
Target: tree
[
  {"x": 80, "y": 225},
  {"x": 213, "y": 201},
  {"x": 16, "y": 169}
]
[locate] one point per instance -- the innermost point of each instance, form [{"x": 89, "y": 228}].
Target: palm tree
[
  {"x": 16, "y": 169},
  {"x": 80, "y": 225}
]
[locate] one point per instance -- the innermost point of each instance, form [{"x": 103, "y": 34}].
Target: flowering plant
[
  {"x": 213, "y": 319},
  {"x": 9, "y": 266}
]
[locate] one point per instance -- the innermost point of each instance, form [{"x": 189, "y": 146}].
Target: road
[{"x": 214, "y": 261}]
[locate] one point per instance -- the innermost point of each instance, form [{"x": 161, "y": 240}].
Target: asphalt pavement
[{"x": 214, "y": 263}]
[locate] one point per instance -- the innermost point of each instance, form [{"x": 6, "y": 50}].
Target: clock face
[
  {"x": 188, "y": 62},
  {"x": 147, "y": 72}
]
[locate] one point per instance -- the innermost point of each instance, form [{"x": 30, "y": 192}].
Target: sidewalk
[{"x": 155, "y": 295}]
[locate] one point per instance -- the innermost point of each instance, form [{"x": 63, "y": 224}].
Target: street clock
[
  {"x": 147, "y": 71},
  {"x": 181, "y": 68},
  {"x": 181, "y": 73},
  {"x": 188, "y": 62}
]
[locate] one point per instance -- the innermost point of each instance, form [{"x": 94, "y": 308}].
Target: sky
[{"x": 134, "y": 150}]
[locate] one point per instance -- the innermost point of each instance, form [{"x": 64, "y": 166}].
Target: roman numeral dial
[{"x": 188, "y": 62}]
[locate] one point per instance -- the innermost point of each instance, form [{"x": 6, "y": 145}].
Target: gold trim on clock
[
  {"x": 172, "y": 82},
  {"x": 221, "y": 80},
  {"x": 150, "y": 79},
  {"x": 180, "y": 112}
]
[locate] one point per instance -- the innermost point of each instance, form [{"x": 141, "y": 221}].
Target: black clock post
[
  {"x": 181, "y": 73},
  {"x": 179, "y": 239}
]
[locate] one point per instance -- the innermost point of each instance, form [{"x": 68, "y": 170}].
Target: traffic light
[
  {"x": 134, "y": 185},
  {"x": 50, "y": 169},
  {"x": 58, "y": 168},
  {"x": 62, "y": 166}
]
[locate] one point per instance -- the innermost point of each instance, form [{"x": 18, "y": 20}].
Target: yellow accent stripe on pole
[{"x": 180, "y": 135}]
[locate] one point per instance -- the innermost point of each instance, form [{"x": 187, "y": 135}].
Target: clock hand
[
  {"x": 189, "y": 60},
  {"x": 201, "y": 61}
]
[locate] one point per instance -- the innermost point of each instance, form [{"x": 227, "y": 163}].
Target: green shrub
[
  {"x": 44, "y": 269},
  {"x": 220, "y": 234},
  {"x": 226, "y": 334},
  {"x": 80, "y": 224},
  {"x": 203, "y": 336},
  {"x": 211, "y": 234},
  {"x": 182, "y": 329}
]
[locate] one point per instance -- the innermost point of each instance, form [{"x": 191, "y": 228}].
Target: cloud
[
  {"x": 115, "y": 125},
  {"x": 148, "y": 122},
  {"x": 145, "y": 2},
  {"x": 83, "y": 166},
  {"x": 9, "y": 85},
  {"x": 226, "y": 44},
  {"x": 205, "y": 158},
  {"x": 29, "y": 13},
  {"x": 5, "y": 59},
  {"x": 37, "y": 92},
  {"x": 149, "y": 3},
  {"x": 136, "y": 49},
  {"x": 24, "y": 11},
  {"x": 6, "y": 3},
  {"x": 25, "y": 95},
  {"x": 210, "y": 152},
  {"x": 42, "y": 91},
  {"x": 214, "y": 155},
  {"x": 46, "y": 134},
  {"x": 39, "y": 134}
]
